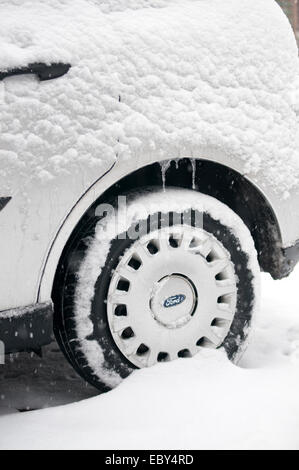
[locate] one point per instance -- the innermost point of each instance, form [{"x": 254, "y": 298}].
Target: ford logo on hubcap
[{"x": 174, "y": 300}]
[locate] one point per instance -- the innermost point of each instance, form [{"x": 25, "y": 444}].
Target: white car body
[{"x": 204, "y": 80}]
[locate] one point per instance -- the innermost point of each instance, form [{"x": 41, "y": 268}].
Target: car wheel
[{"x": 178, "y": 274}]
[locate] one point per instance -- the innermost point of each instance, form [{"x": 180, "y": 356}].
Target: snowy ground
[{"x": 204, "y": 402}]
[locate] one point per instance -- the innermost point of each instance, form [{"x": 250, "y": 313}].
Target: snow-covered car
[{"x": 178, "y": 112}]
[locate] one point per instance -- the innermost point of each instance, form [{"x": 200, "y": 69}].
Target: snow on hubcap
[{"x": 173, "y": 292}]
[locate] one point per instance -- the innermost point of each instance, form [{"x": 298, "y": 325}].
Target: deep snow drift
[
  {"x": 203, "y": 402},
  {"x": 162, "y": 79}
]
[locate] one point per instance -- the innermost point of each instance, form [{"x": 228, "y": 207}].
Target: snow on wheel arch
[{"x": 140, "y": 207}]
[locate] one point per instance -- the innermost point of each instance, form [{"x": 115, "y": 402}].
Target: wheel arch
[{"x": 207, "y": 176}]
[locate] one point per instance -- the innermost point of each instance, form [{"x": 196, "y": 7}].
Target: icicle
[
  {"x": 164, "y": 167},
  {"x": 193, "y": 164}
]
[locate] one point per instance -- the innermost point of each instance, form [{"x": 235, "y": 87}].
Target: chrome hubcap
[{"x": 173, "y": 292}]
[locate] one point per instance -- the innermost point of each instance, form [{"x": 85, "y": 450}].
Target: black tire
[{"x": 114, "y": 361}]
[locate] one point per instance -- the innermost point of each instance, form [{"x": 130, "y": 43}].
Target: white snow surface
[
  {"x": 19, "y": 312},
  {"x": 160, "y": 78},
  {"x": 141, "y": 205},
  {"x": 204, "y": 402}
]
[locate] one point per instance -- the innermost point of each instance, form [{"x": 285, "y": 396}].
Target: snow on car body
[{"x": 209, "y": 81}]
